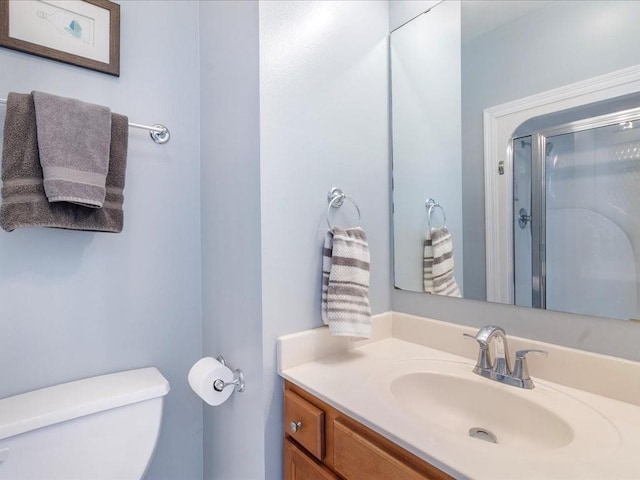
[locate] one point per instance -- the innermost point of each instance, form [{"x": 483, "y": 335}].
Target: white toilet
[{"x": 98, "y": 428}]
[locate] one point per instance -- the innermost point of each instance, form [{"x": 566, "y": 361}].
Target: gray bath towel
[
  {"x": 345, "y": 283},
  {"x": 24, "y": 203},
  {"x": 74, "y": 139}
]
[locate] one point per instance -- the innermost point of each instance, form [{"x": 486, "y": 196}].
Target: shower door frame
[
  {"x": 538, "y": 221},
  {"x": 500, "y": 122},
  {"x": 538, "y": 190}
]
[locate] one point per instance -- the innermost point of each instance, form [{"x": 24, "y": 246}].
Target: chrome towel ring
[
  {"x": 430, "y": 205},
  {"x": 336, "y": 198}
]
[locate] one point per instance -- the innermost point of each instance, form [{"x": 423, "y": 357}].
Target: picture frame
[{"x": 85, "y": 33}]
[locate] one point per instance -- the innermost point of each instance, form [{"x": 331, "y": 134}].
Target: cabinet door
[
  {"x": 358, "y": 458},
  {"x": 300, "y": 466},
  {"x": 310, "y": 434}
]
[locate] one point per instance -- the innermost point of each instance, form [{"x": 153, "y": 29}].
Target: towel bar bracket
[
  {"x": 430, "y": 205},
  {"x": 336, "y": 198},
  {"x": 237, "y": 382},
  {"x": 161, "y": 137},
  {"x": 158, "y": 133}
]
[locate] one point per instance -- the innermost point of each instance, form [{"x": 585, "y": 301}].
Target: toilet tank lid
[{"x": 48, "y": 406}]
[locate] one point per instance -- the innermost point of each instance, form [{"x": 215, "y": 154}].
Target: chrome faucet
[{"x": 497, "y": 366}]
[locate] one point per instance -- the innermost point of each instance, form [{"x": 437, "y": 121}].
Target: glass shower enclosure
[{"x": 577, "y": 216}]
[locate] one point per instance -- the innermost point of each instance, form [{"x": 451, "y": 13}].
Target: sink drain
[{"x": 482, "y": 434}]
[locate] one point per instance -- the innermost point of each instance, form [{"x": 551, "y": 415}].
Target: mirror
[{"x": 459, "y": 59}]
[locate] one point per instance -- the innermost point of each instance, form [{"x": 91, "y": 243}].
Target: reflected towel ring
[
  {"x": 336, "y": 197},
  {"x": 430, "y": 205}
]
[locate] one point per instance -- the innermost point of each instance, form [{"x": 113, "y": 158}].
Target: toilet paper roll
[{"x": 202, "y": 375}]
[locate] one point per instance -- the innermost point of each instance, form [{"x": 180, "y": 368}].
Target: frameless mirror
[{"x": 572, "y": 213}]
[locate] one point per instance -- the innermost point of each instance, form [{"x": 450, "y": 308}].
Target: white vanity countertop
[{"x": 350, "y": 376}]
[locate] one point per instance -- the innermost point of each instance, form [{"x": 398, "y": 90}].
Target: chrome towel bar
[{"x": 158, "y": 133}]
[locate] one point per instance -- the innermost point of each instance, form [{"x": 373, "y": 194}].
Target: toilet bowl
[{"x": 98, "y": 428}]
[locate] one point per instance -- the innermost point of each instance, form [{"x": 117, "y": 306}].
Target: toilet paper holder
[{"x": 237, "y": 382}]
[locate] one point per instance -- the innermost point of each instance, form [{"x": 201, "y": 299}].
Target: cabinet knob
[{"x": 295, "y": 426}]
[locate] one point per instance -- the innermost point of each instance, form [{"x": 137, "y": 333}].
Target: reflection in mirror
[
  {"x": 577, "y": 202},
  {"x": 573, "y": 208},
  {"x": 426, "y": 143}
]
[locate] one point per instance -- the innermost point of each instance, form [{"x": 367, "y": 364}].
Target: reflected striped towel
[
  {"x": 427, "y": 264},
  {"x": 438, "y": 264},
  {"x": 345, "y": 283}
]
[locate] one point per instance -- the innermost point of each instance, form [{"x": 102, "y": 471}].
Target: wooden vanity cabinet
[
  {"x": 300, "y": 466},
  {"x": 323, "y": 444}
]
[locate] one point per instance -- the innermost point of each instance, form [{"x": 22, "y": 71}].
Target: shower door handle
[{"x": 524, "y": 218}]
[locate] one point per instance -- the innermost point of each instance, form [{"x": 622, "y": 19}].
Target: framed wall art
[{"x": 85, "y": 33}]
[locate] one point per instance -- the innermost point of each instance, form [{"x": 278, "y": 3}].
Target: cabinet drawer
[
  {"x": 358, "y": 458},
  {"x": 310, "y": 432},
  {"x": 300, "y": 466}
]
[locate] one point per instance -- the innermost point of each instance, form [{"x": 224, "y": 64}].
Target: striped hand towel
[
  {"x": 345, "y": 283},
  {"x": 439, "y": 265},
  {"x": 326, "y": 269}
]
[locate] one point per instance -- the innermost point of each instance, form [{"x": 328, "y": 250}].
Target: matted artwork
[{"x": 80, "y": 32}]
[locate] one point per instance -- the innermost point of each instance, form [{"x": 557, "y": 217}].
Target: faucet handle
[
  {"x": 523, "y": 353},
  {"x": 482, "y": 343},
  {"x": 520, "y": 370},
  {"x": 484, "y": 362}
]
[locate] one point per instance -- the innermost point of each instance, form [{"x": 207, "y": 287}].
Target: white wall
[
  {"x": 323, "y": 123},
  {"x": 78, "y": 304},
  {"x": 231, "y": 249}
]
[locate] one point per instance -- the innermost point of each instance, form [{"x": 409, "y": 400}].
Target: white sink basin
[
  {"x": 426, "y": 400},
  {"x": 450, "y": 396},
  {"x": 459, "y": 404}
]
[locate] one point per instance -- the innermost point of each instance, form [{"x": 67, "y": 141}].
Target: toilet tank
[{"x": 98, "y": 428}]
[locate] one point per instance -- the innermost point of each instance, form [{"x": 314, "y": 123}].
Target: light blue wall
[
  {"x": 278, "y": 131},
  {"x": 231, "y": 249},
  {"x": 427, "y": 158},
  {"x": 593, "y": 42},
  {"x": 323, "y": 123},
  {"x": 78, "y": 304},
  {"x": 260, "y": 271}
]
